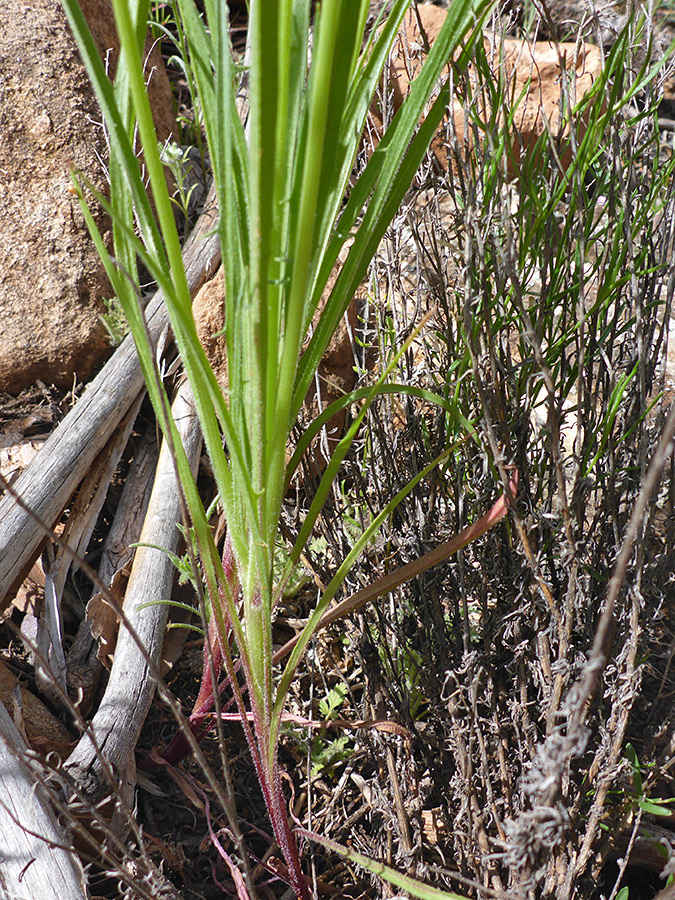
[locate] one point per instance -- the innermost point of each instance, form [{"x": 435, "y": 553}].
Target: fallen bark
[
  {"x": 83, "y": 665},
  {"x": 34, "y": 859},
  {"x": 82, "y": 517},
  {"x": 117, "y": 724},
  {"x": 50, "y": 480}
]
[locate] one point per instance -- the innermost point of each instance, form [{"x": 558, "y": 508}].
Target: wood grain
[
  {"x": 31, "y": 863},
  {"x": 117, "y": 724}
]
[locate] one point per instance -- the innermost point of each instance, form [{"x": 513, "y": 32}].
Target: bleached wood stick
[
  {"x": 31, "y": 863},
  {"x": 125, "y": 704},
  {"x": 83, "y": 666},
  {"x": 82, "y": 518}
]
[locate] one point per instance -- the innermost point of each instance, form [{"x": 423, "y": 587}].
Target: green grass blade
[
  {"x": 404, "y": 882},
  {"x": 384, "y": 182},
  {"x": 405, "y": 390}
]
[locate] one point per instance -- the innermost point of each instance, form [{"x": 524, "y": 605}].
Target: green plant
[
  {"x": 331, "y": 704},
  {"x": 326, "y": 753},
  {"x": 166, "y": 25},
  {"x": 281, "y": 187},
  {"x": 558, "y": 305},
  {"x": 177, "y": 160},
  {"x": 653, "y": 806},
  {"x": 114, "y": 321},
  {"x": 161, "y": 19}
]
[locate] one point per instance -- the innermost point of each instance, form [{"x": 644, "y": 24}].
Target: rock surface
[
  {"x": 99, "y": 16},
  {"x": 52, "y": 283},
  {"x": 533, "y": 73},
  {"x": 208, "y": 308}
]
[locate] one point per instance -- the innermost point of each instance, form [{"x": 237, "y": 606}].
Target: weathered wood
[
  {"x": 77, "y": 533},
  {"x": 31, "y": 864},
  {"x": 83, "y": 666},
  {"x": 90, "y": 497},
  {"x": 118, "y": 721},
  {"x": 49, "y": 481}
]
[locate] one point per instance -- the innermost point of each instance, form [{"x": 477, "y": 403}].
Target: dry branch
[
  {"x": 33, "y": 859},
  {"x": 83, "y": 666},
  {"x": 118, "y": 722},
  {"x": 76, "y": 535}
]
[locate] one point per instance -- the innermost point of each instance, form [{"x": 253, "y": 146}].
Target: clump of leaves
[{"x": 282, "y": 180}]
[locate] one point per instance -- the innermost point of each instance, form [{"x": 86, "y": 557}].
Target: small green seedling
[
  {"x": 653, "y": 806},
  {"x": 114, "y": 321},
  {"x": 326, "y": 754},
  {"x": 177, "y": 160}
]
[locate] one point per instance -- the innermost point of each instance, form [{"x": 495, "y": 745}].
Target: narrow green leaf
[
  {"x": 654, "y": 808},
  {"x": 404, "y": 882},
  {"x": 384, "y": 182}
]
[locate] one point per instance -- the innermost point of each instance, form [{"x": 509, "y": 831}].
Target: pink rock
[
  {"x": 532, "y": 72},
  {"x": 52, "y": 283}
]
